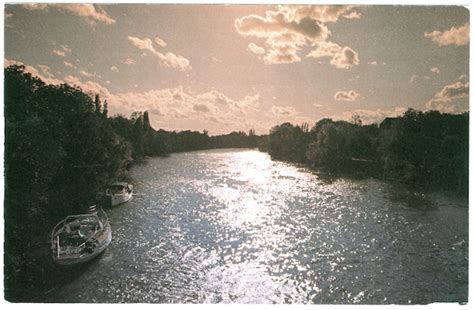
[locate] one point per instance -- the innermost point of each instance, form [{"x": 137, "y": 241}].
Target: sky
[{"x": 224, "y": 68}]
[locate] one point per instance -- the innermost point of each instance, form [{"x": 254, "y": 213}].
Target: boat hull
[
  {"x": 115, "y": 200},
  {"x": 85, "y": 257}
]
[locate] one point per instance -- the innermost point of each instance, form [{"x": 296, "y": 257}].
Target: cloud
[
  {"x": 290, "y": 28},
  {"x": 278, "y": 22},
  {"x": 372, "y": 63},
  {"x": 282, "y": 54},
  {"x": 453, "y": 98},
  {"x": 175, "y": 103},
  {"x": 435, "y": 70},
  {"x": 457, "y": 36},
  {"x": 254, "y": 48},
  {"x": 45, "y": 70},
  {"x": 69, "y": 65},
  {"x": 323, "y": 13},
  {"x": 346, "y": 95},
  {"x": 415, "y": 77},
  {"x": 463, "y": 77},
  {"x": 143, "y": 44},
  {"x": 343, "y": 58},
  {"x": 160, "y": 42},
  {"x": 36, "y": 6},
  {"x": 129, "y": 61},
  {"x": 86, "y": 74},
  {"x": 175, "y": 108},
  {"x": 92, "y": 88},
  {"x": 167, "y": 60},
  {"x": 61, "y": 51},
  {"x": 87, "y": 11},
  {"x": 114, "y": 69},
  {"x": 284, "y": 111},
  {"x": 201, "y": 107}
]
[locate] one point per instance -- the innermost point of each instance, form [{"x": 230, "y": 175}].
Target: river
[{"x": 233, "y": 226}]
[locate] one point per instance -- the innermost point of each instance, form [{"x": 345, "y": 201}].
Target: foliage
[{"x": 424, "y": 149}]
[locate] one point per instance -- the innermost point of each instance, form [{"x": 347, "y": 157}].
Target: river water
[{"x": 233, "y": 226}]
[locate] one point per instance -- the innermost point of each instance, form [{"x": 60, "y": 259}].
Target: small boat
[
  {"x": 118, "y": 193},
  {"x": 80, "y": 238}
]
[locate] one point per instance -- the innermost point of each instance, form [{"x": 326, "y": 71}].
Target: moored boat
[
  {"x": 118, "y": 193},
  {"x": 80, "y": 238}
]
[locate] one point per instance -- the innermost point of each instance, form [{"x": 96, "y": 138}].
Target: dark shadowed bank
[
  {"x": 62, "y": 149},
  {"x": 423, "y": 150}
]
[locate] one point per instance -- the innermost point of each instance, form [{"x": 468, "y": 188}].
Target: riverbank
[{"x": 425, "y": 150}]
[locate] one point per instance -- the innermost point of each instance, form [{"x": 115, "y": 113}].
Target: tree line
[{"x": 421, "y": 149}]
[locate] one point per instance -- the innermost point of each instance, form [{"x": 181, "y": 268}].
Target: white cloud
[
  {"x": 35, "y": 6},
  {"x": 372, "y": 63},
  {"x": 282, "y": 54},
  {"x": 143, "y": 44},
  {"x": 435, "y": 70},
  {"x": 92, "y": 88},
  {"x": 114, "y": 69},
  {"x": 346, "y": 95},
  {"x": 343, "y": 58},
  {"x": 160, "y": 42},
  {"x": 45, "y": 70},
  {"x": 175, "y": 103},
  {"x": 86, "y": 74},
  {"x": 415, "y": 77},
  {"x": 453, "y": 98},
  {"x": 129, "y": 61},
  {"x": 69, "y": 65},
  {"x": 87, "y": 11},
  {"x": 457, "y": 36},
  {"x": 59, "y": 52},
  {"x": 290, "y": 28},
  {"x": 323, "y": 13},
  {"x": 254, "y": 48},
  {"x": 284, "y": 111},
  {"x": 167, "y": 60}
]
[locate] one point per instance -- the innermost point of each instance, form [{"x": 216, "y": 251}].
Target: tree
[{"x": 97, "y": 104}]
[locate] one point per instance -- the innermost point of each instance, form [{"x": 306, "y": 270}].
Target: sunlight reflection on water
[{"x": 233, "y": 226}]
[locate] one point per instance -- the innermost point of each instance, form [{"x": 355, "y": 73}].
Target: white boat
[
  {"x": 80, "y": 238},
  {"x": 118, "y": 193}
]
